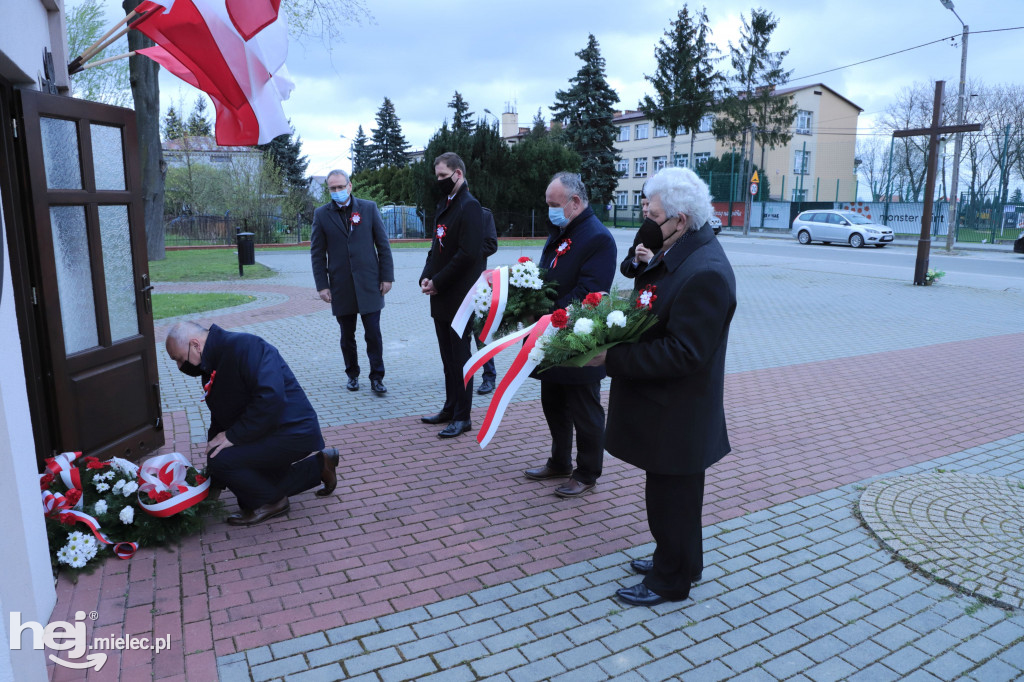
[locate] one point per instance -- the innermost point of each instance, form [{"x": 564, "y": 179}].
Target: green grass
[
  {"x": 203, "y": 265},
  {"x": 423, "y": 244},
  {"x": 173, "y": 305}
]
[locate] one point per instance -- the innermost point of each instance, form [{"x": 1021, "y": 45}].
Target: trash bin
[{"x": 246, "y": 250}]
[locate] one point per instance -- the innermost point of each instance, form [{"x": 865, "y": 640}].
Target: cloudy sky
[{"x": 504, "y": 54}]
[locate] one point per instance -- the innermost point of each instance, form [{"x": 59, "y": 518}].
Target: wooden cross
[{"x": 924, "y": 244}]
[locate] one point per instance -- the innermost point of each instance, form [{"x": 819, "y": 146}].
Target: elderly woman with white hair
[{"x": 666, "y": 411}]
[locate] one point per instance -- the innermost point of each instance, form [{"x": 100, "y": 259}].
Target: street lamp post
[{"x": 953, "y": 191}]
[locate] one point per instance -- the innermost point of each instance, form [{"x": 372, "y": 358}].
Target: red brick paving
[{"x": 416, "y": 520}]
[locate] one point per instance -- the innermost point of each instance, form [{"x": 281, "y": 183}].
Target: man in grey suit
[{"x": 353, "y": 270}]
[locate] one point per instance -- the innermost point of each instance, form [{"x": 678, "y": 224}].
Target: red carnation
[
  {"x": 524, "y": 259},
  {"x": 73, "y": 496},
  {"x": 45, "y": 481},
  {"x": 592, "y": 300},
  {"x": 93, "y": 463},
  {"x": 161, "y": 496},
  {"x": 559, "y": 319},
  {"x": 200, "y": 479},
  {"x": 68, "y": 519}
]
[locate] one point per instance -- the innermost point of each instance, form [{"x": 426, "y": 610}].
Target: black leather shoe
[
  {"x": 353, "y": 384},
  {"x": 455, "y": 429},
  {"x": 486, "y": 386},
  {"x": 328, "y": 473},
  {"x": 639, "y": 595},
  {"x": 439, "y": 418},
  {"x": 573, "y": 488},
  {"x": 645, "y": 566},
  {"x": 377, "y": 386},
  {"x": 545, "y": 472},
  {"x": 259, "y": 514}
]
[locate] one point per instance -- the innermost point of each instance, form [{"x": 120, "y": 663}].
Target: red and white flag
[{"x": 234, "y": 51}]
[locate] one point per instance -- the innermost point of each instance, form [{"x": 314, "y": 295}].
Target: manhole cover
[{"x": 964, "y": 530}]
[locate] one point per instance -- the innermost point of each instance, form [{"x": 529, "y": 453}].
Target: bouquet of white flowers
[{"x": 526, "y": 297}]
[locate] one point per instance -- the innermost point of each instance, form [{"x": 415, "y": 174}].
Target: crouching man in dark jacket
[{"x": 262, "y": 427}]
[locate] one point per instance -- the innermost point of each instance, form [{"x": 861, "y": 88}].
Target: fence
[{"x": 206, "y": 230}]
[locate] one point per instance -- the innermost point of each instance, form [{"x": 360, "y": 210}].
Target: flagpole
[
  {"x": 88, "y": 53},
  {"x": 101, "y": 62}
]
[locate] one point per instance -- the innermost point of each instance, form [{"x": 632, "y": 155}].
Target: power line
[{"x": 916, "y": 47}]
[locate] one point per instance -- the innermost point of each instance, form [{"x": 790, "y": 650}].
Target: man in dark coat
[
  {"x": 666, "y": 412},
  {"x": 580, "y": 257},
  {"x": 262, "y": 427},
  {"x": 353, "y": 270},
  {"x": 453, "y": 264}
]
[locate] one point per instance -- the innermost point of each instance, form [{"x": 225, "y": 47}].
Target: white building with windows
[{"x": 817, "y": 164}]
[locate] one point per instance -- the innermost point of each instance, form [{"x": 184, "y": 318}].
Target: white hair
[
  {"x": 681, "y": 191},
  {"x": 337, "y": 171},
  {"x": 181, "y": 332}
]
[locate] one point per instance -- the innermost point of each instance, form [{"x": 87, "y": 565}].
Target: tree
[
  {"x": 173, "y": 128},
  {"x": 389, "y": 145},
  {"x": 360, "y": 152},
  {"x": 286, "y": 153},
  {"x": 108, "y": 83},
  {"x": 586, "y": 111},
  {"x": 1017, "y": 197},
  {"x": 463, "y": 118},
  {"x": 751, "y": 102},
  {"x": 686, "y": 79},
  {"x": 539, "y": 128},
  {"x": 198, "y": 124}
]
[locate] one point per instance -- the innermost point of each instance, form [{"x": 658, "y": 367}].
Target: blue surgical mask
[
  {"x": 557, "y": 216},
  {"x": 341, "y": 197}
]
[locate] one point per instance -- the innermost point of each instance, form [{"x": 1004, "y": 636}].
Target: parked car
[
  {"x": 716, "y": 223},
  {"x": 1018, "y": 246},
  {"x": 839, "y": 226}
]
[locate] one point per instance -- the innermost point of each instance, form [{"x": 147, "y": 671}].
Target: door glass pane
[
  {"x": 74, "y": 277},
  {"x": 118, "y": 272},
  {"x": 60, "y": 153},
  {"x": 107, "y": 156}
]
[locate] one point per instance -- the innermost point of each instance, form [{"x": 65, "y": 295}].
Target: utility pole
[
  {"x": 748, "y": 198},
  {"x": 954, "y": 197}
]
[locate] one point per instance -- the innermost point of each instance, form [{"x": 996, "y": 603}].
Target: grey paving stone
[
  {"x": 453, "y": 605},
  {"x": 569, "y": 586},
  {"x": 1006, "y": 632},
  {"x": 744, "y": 635},
  {"x": 236, "y": 671},
  {"x": 743, "y": 615},
  {"x": 864, "y": 654},
  {"x": 895, "y": 637},
  {"x": 410, "y": 670},
  {"x": 936, "y": 643},
  {"x": 434, "y": 626},
  {"x": 668, "y": 643},
  {"x": 663, "y": 668},
  {"x": 809, "y": 607},
  {"x": 588, "y": 673},
  {"x": 347, "y": 632},
  {"x": 484, "y": 612},
  {"x": 824, "y": 649},
  {"x": 978, "y": 648},
  {"x": 233, "y": 658},
  {"x": 498, "y": 663},
  {"x": 460, "y": 674},
  {"x": 507, "y": 640},
  {"x": 747, "y": 658},
  {"x": 371, "y": 661},
  {"x": 783, "y": 642},
  {"x": 278, "y": 668},
  {"x": 849, "y": 612},
  {"x": 589, "y": 631},
  {"x": 623, "y": 639},
  {"x": 518, "y": 617},
  {"x": 780, "y": 620},
  {"x": 559, "y": 623},
  {"x": 579, "y": 656},
  {"x": 710, "y": 672},
  {"x": 561, "y": 604},
  {"x": 543, "y": 669},
  {"x": 407, "y": 617},
  {"x": 258, "y": 655},
  {"x": 489, "y": 594},
  {"x": 332, "y": 654},
  {"x": 474, "y": 632},
  {"x": 546, "y": 647},
  {"x": 702, "y": 652},
  {"x": 327, "y": 673},
  {"x": 452, "y": 658},
  {"x": 388, "y": 638},
  {"x": 425, "y": 646},
  {"x": 532, "y": 582},
  {"x": 856, "y": 632},
  {"x": 787, "y": 665},
  {"x": 875, "y": 673},
  {"x": 995, "y": 671},
  {"x": 906, "y": 660},
  {"x": 706, "y": 629},
  {"x": 289, "y": 647},
  {"x": 528, "y": 598},
  {"x": 777, "y": 601},
  {"x": 624, "y": 661}
]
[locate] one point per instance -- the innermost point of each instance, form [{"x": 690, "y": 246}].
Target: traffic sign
[
  {"x": 754, "y": 179},
  {"x": 753, "y": 189}
]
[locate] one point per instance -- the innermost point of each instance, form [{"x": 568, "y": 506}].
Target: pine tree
[
  {"x": 686, "y": 80},
  {"x": 173, "y": 128},
  {"x": 539, "y": 128},
  {"x": 286, "y": 153},
  {"x": 586, "y": 110},
  {"x": 360, "y": 152},
  {"x": 751, "y": 101},
  {"x": 198, "y": 124},
  {"x": 463, "y": 118},
  {"x": 389, "y": 145}
]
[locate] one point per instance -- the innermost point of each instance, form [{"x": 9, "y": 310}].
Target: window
[
  {"x": 622, "y": 166},
  {"x": 660, "y": 131},
  {"x": 623, "y": 134},
  {"x": 682, "y": 161},
  {"x": 641, "y": 131},
  {"x": 637, "y": 198},
  {"x": 705, "y": 123},
  {"x": 803, "y": 122},
  {"x": 801, "y": 162},
  {"x": 621, "y": 198},
  {"x": 681, "y": 130},
  {"x": 799, "y": 195},
  {"x": 640, "y": 167},
  {"x": 220, "y": 158},
  {"x": 660, "y": 162},
  {"x": 700, "y": 159}
]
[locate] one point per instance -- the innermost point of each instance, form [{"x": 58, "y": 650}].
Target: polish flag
[{"x": 201, "y": 42}]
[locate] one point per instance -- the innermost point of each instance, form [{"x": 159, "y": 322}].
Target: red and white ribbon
[
  {"x": 166, "y": 473},
  {"x": 123, "y": 550},
  {"x": 520, "y": 370},
  {"x": 63, "y": 465},
  {"x": 467, "y": 308},
  {"x": 499, "y": 299}
]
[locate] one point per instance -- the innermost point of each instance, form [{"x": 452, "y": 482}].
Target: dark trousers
[
  {"x": 673, "y": 515},
  {"x": 264, "y": 471},
  {"x": 489, "y": 371},
  {"x": 575, "y": 406},
  {"x": 374, "y": 344},
  {"x": 458, "y": 398}
]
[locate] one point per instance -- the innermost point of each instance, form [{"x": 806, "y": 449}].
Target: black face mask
[
  {"x": 188, "y": 369},
  {"x": 650, "y": 235},
  {"x": 446, "y": 185}
]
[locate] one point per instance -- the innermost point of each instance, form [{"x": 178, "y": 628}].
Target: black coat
[
  {"x": 351, "y": 258},
  {"x": 254, "y": 395},
  {"x": 454, "y": 262},
  {"x": 666, "y": 410},
  {"x": 588, "y": 266}
]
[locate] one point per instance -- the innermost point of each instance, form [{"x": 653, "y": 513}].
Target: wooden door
[{"x": 86, "y": 218}]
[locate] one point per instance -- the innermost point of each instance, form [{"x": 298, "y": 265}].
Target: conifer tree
[
  {"x": 389, "y": 145},
  {"x": 360, "y": 152},
  {"x": 198, "y": 124},
  {"x": 286, "y": 152},
  {"x": 586, "y": 111},
  {"x": 463, "y": 118},
  {"x": 173, "y": 128}
]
